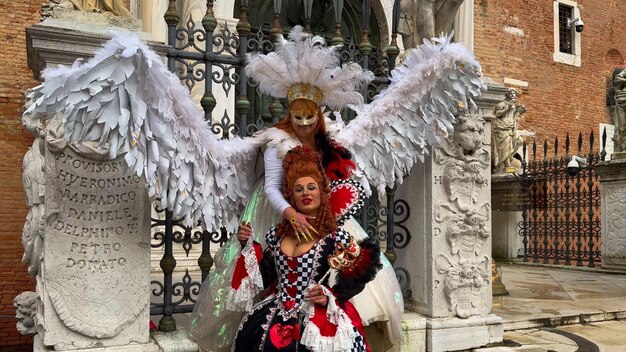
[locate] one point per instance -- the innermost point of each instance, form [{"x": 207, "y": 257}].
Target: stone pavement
[
  {"x": 562, "y": 309},
  {"x": 605, "y": 336},
  {"x": 555, "y": 309}
]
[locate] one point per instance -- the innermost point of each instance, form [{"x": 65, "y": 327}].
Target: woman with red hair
[{"x": 301, "y": 310}]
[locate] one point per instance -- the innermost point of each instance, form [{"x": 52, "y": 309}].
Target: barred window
[
  {"x": 565, "y": 32},
  {"x": 567, "y": 42}
]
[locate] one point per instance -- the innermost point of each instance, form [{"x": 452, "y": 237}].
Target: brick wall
[
  {"x": 561, "y": 98},
  {"x": 15, "y": 78}
]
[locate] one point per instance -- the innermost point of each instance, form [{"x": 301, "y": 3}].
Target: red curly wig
[{"x": 300, "y": 162}]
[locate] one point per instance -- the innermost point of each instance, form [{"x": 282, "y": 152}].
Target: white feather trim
[{"x": 278, "y": 139}]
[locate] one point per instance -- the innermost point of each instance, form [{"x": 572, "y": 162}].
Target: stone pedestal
[
  {"x": 506, "y": 201},
  {"x": 618, "y": 155},
  {"x": 448, "y": 257},
  {"x": 93, "y": 269},
  {"x": 449, "y": 254},
  {"x": 414, "y": 327},
  {"x": 454, "y": 334},
  {"x": 95, "y": 272},
  {"x": 613, "y": 185},
  {"x": 150, "y": 347}
]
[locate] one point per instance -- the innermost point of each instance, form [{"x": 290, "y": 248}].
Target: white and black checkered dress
[{"x": 270, "y": 325}]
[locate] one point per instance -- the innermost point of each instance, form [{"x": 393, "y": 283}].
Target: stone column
[
  {"x": 507, "y": 214},
  {"x": 464, "y": 24},
  {"x": 93, "y": 268},
  {"x": 449, "y": 255},
  {"x": 613, "y": 186}
]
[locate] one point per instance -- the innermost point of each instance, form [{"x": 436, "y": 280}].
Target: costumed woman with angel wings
[{"x": 125, "y": 97}]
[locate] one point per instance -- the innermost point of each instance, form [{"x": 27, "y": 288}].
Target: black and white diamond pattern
[{"x": 299, "y": 269}]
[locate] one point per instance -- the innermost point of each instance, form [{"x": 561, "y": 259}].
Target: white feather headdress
[{"x": 303, "y": 67}]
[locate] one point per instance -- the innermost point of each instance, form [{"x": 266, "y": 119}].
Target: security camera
[
  {"x": 577, "y": 22},
  {"x": 574, "y": 165}
]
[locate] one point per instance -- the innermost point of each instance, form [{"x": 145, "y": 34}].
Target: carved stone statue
[
  {"x": 106, "y": 7},
  {"x": 506, "y": 139},
  {"x": 26, "y": 312},
  {"x": 421, "y": 19},
  {"x": 619, "y": 111}
]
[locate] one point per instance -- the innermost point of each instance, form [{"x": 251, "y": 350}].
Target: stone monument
[
  {"x": 449, "y": 262},
  {"x": 613, "y": 180},
  {"x": 87, "y": 240},
  {"x": 506, "y": 138},
  {"x": 87, "y": 234}
]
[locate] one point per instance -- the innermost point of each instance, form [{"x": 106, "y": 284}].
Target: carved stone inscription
[
  {"x": 97, "y": 212},
  {"x": 97, "y": 249}
]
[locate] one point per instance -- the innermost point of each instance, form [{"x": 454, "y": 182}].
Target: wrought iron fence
[
  {"x": 214, "y": 56},
  {"x": 561, "y": 208}
]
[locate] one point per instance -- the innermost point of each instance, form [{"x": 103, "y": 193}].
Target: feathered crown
[{"x": 302, "y": 67}]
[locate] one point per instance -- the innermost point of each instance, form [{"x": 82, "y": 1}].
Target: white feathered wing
[
  {"x": 436, "y": 81},
  {"x": 127, "y": 99}
]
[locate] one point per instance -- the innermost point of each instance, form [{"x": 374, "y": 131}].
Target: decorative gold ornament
[{"x": 305, "y": 91}]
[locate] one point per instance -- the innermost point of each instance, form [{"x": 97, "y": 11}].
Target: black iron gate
[
  {"x": 214, "y": 56},
  {"x": 561, "y": 207}
]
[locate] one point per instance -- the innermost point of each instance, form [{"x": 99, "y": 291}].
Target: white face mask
[{"x": 302, "y": 118}]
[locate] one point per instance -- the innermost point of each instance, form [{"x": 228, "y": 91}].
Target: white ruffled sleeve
[{"x": 274, "y": 180}]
